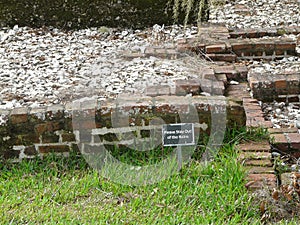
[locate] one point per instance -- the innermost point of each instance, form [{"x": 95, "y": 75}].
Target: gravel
[
  {"x": 257, "y": 13},
  {"x": 49, "y": 66},
  {"x": 283, "y": 115}
]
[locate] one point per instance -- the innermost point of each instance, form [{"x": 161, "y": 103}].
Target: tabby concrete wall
[
  {"x": 82, "y": 14},
  {"x": 26, "y": 133}
]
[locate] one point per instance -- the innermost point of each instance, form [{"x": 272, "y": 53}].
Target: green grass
[{"x": 66, "y": 191}]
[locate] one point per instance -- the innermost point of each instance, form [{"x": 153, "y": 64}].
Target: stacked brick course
[
  {"x": 31, "y": 132},
  {"x": 267, "y": 86}
]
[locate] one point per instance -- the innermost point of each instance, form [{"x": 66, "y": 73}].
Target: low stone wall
[{"x": 27, "y": 133}]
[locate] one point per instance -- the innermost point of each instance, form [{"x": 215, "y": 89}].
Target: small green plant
[{"x": 200, "y": 9}]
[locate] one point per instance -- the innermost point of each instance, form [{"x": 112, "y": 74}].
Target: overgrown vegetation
[
  {"x": 66, "y": 191},
  {"x": 199, "y": 7}
]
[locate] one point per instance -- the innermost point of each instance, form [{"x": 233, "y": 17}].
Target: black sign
[{"x": 178, "y": 134}]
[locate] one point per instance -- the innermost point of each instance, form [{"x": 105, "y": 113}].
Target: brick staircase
[
  {"x": 222, "y": 50},
  {"x": 225, "y": 48}
]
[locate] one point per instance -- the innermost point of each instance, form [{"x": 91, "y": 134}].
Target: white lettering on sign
[{"x": 178, "y": 134}]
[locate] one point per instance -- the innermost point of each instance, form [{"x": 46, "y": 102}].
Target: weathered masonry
[{"x": 33, "y": 132}]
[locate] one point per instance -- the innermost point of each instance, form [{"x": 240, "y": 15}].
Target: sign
[{"x": 178, "y": 134}]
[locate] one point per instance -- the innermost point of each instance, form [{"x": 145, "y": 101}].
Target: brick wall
[{"x": 27, "y": 133}]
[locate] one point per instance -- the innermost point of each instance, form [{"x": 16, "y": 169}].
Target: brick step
[
  {"x": 287, "y": 142},
  {"x": 257, "y": 162},
  {"x": 196, "y": 86},
  {"x": 254, "y": 114},
  {"x": 226, "y": 57},
  {"x": 237, "y": 92},
  {"x": 258, "y": 33},
  {"x": 254, "y": 155},
  {"x": 259, "y": 170},
  {"x": 259, "y": 181},
  {"x": 262, "y": 47},
  {"x": 255, "y": 147},
  {"x": 232, "y": 72}
]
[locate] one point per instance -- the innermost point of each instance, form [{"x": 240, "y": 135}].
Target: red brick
[
  {"x": 280, "y": 141},
  {"x": 279, "y": 138},
  {"x": 183, "y": 47},
  {"x": 241, "y": 46},
  {"x": 264, "y": 46},
  {"x": 261, "y": 180},
  {"x": 53, "y": 148},
  {"x": 68, "y": 137},
  {"x": 282, "y": 130},
  {"x": 285, "y": 46},
  {"x": 294, "y": 140},
  {"x": 26, "y": 139},
  {"x": 30, "y": 151},
  {"x": 243, "y": 71},
  {"x": 259, "y": 170},
  {"x": 184, "y": 87},
  {"x": 41, "y": 128},
  {"x": 237, "y": 34},
  {"x": 255, "y": 146},
  {"x": 11, "y": 154},
  {"x": 254, "y": 155},
  {"x": 257, "y": 162},
  {"x": 280, "y": 84},
  {"x": 222, "y": 57},
  {"x": 158, "y": 90},
  {"x": 50, "y": 138},
  {"x": 18, "y": 118},
  {"x": 254, "y": 122},
  {"x": 217, "y": 48}
]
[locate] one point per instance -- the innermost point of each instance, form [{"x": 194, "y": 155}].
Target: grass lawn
[{"x": 66, "y": 191}]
